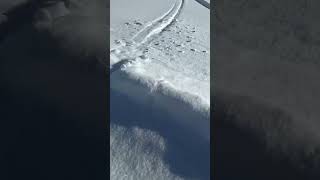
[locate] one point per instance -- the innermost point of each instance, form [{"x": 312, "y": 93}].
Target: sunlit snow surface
[{"x": 160, "y": 90}]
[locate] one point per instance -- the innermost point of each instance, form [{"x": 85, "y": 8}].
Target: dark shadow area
[
  {"x": 54, "y": 106},
  {"x": 240, "y": 149},
  {"x": 264, "y": 95},
  {"x": 16, "y": 17}
]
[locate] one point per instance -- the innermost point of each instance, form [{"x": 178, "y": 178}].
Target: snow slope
[{"x": 160, "y": 89}]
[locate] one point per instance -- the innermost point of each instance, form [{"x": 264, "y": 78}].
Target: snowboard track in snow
[
  {"x": 204, "y": 3},
  {"x": 158, "y": 25},
  {"x": 132, "y": 50}
]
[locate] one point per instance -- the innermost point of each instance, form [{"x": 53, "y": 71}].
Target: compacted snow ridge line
[{"x": 132, "y": 50}]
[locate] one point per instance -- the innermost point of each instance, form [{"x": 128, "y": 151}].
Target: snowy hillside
[{"x": 160, "y": 90}]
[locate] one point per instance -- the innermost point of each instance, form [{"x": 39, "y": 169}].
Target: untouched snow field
[{"x": 160, "y": 89}]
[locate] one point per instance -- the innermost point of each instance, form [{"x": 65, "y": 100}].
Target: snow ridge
[
  {"x": 160, "y": 114},
  {"x": 135, "y": 82}
]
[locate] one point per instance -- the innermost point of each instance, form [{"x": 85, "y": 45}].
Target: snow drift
[{"x": 160, "y": 102}]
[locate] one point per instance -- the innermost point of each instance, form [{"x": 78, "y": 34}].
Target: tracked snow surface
[{"x": 160, "y": 89}]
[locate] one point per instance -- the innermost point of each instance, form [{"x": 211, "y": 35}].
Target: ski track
[
  {"x": 158, "y": 25},
  {"x": 204, "y": 3},
  {"x": 133, "y": 50}
]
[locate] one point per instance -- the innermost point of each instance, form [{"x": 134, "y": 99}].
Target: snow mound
[
  {"x": 153, "y": 88},
  {"x": 160, "y": 96},
  {"x": 148, "y": 95},
  {"x": 173, "y": 133}
]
